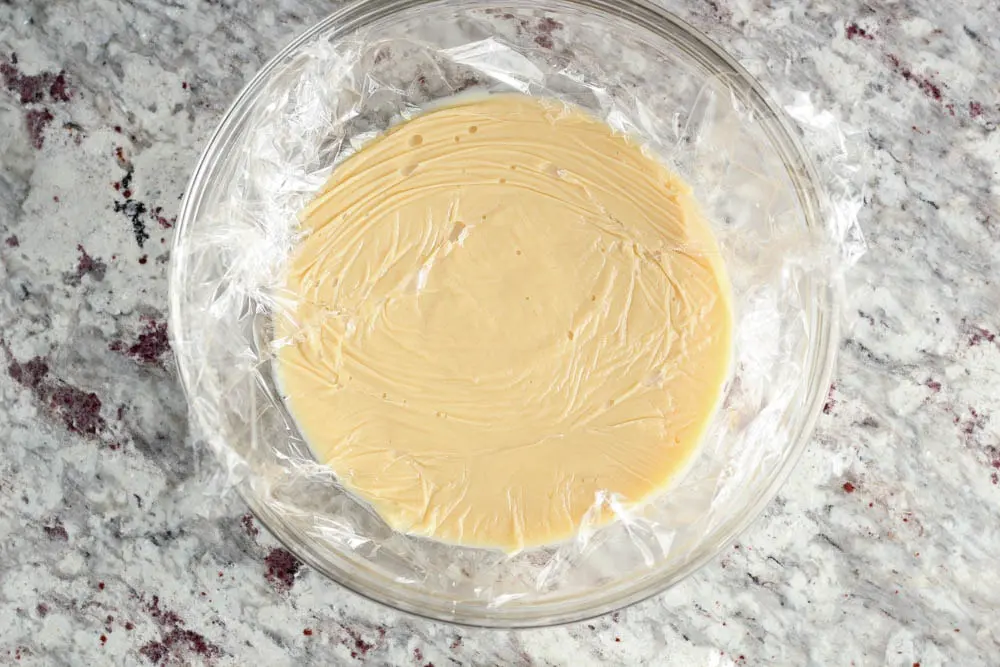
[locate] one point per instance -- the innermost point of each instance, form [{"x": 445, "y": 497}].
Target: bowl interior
[{"x": 646, "y": 74}]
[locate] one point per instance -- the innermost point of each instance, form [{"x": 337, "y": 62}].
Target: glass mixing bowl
[{"x": 646, "y": 73}]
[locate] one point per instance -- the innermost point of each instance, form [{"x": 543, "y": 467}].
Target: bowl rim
[{"x": 820, "y": 357}]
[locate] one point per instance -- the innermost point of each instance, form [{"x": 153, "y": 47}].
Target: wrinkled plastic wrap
[{"x": 786, "y": 227}]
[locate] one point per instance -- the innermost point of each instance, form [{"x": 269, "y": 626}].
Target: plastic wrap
[{"x": 786, "y": 228}]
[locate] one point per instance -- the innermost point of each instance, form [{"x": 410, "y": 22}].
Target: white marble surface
[{"x": 883, "y": 549}]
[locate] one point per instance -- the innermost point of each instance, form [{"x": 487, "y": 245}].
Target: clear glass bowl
[{"x": 642, "y": 70}]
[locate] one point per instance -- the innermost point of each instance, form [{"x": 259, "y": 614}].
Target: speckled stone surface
[{"x": 883, "y": 549}]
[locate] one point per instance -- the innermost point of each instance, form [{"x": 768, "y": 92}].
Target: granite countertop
[{"x": 882, "y": 549}]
